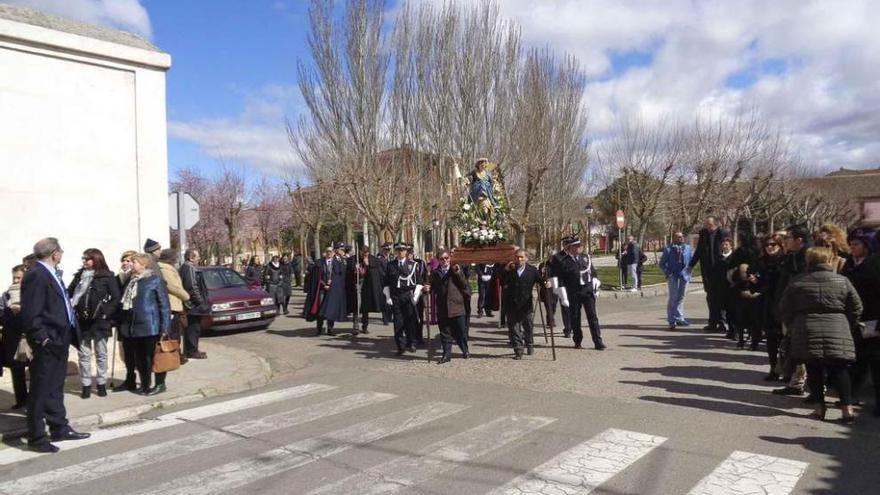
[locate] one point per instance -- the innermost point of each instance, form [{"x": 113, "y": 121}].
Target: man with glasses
[
  {"x": 674, "y": 262},
  {"x": 519, "y": 279},
  {"x": 51, "y": 325},
  {"x": 451, "y": 291}
]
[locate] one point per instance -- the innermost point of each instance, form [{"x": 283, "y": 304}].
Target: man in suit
[
  {"x": 50, "y": 323},
  {"x": 708, "y": 255},
  {"x": 574, "y": 278},
  {"x": 519, "y": 279}
]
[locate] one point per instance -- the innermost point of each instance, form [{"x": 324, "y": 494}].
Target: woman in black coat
[
  {"x": 94, "y": 295},
  {"x": 767, "y": 276},
  {"x": 862, "y": 269}
]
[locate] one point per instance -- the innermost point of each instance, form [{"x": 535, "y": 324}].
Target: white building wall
[{"x": 83, "y": 152}]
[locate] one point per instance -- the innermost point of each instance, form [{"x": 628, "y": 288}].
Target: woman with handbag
[
  {"x": 94, "y": 295},
  {"x": 16, "y": 351},
  {"x": 147, "y": 316}
]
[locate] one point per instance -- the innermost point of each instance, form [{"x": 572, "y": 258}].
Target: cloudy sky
[{"x": 813, "y": 67}]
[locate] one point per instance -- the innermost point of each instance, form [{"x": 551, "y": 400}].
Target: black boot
[
  {"x": 102, "y": 390},
  {"x": 517, "y": 354},
  {"x": 86, "y": 392},
  {"x": 530, "y": 350},
  {"x": 445, "y": 358},
  {"x": 319, "y": 331},
  {"x": 127, "y": 386}
]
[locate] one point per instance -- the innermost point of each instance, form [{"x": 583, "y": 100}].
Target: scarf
[
  {"x": 85, "y": 280},
  {"x": 13, "y": 295},
  {"x": 131, "y": 289}
]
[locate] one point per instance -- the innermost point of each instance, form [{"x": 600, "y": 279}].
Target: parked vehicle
[{"x": 234, "y": 304}]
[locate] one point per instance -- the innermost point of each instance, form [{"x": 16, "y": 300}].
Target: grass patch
[{"x": 651, "y": 274}]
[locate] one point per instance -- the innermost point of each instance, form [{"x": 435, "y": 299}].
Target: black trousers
[
  {"x": 128, "y": 359},
  {"x": 836, "y": 373},
  {"x": 453, "y": 331},
  {"x": 520, "y": 328},
  {"x": 586, "y": 300},
  {"x": 482, "y": 293},
  {"x": 19, "y": 382},
  {"x": 297, "y": 277},
  {"x": 46, "y": 400},
  {"x": 858, "y": 374},
  {"x": 405, "y": 318},
  {"x": 714, "y": 300},
  {"x": 144, "y": 347},
  {"x": 774, "y": 339},
  {"x": 192, "y": 333}
]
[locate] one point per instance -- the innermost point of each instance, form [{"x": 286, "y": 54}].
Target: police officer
[
  {"x": 575, "y": 282},
  {"x": 401, "y": 286}
]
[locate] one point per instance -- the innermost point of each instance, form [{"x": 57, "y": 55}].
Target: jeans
[
  {"x": 675, "y": 305},
  {"x": 85, "y": 359},
  {"x": 633, "y": 275}
]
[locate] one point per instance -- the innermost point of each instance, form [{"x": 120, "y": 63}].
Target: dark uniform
[
  {"x": 400, "y": 283},
  {"x": 576, "y": 274},
  {"x": 518, "y": 306}
]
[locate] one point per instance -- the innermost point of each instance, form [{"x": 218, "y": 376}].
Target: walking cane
[
  {"x": 544, "y": 324},
  {"x": 425, "y": 308},
  {"x": 113, "y": 353}
]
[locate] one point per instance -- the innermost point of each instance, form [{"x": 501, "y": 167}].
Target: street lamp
[{"x": 588, "y": 212}]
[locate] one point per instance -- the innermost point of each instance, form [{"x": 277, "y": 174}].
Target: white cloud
[
  {"x": 827, "y": 93},
  {"x": 256, "y": 137},
  {"x": 128, "y": 15}
]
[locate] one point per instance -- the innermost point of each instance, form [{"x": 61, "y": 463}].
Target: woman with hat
[{"x": 862, "y": 269}]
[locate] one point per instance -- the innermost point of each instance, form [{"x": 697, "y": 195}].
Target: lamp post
[
  {"x": 435, "y": 223},
  {"x": 588, "y": 212}
]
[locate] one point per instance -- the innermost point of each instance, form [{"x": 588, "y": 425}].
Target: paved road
[{"x": 660, "y": 412}]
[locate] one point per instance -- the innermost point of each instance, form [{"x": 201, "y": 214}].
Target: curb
[{"x": 132, "y": 412}]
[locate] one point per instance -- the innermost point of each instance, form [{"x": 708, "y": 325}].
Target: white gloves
[
  {"x": 596, "y": 284},
  {"x": 485, "y": 278},
  {"x": 563, "y": 296},
  {"x": 387, "y": 292},
  {"x": 554, "y": 284},
  {"x": 417, "y": 293}
]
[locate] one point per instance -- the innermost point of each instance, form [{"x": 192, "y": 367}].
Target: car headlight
[
  {"x": 267, "y": 301},
  {"x": 221, "y": 307}
]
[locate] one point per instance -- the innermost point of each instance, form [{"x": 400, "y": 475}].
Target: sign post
[
  {"x": 621, "y": 223},
  {"x": 184, "y": 214}
]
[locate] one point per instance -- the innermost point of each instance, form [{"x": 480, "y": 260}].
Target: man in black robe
[
  {"x": 371, "y": 271},
  {"x": 316, "y": 279}
]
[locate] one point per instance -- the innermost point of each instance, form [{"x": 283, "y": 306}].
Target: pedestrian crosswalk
[{"x": 327, "y": 421}]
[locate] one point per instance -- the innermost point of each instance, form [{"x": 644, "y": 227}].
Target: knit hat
[{"x": 151, "y": 246}]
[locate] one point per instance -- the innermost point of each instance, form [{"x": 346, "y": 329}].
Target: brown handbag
[{"x": 167, "y": 355}]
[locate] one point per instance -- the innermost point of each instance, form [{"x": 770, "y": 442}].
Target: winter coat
[
  {"x": 190, "y": 280},
  {"x": 866, "y": 279},
  {"x": 518, "y": 289},
  {"x": 820, "y": 309},
  {"x": 101, "y": 300},
  {"x": 675, "y": 260},
  {"x": 450, "y": 292},
  {"x": 334, "y": 306},
  {"x": 177, "y": 295},
  {"x": 150, "y": 312}
]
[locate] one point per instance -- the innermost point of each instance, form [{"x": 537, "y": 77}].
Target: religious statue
[{"x": 483, "y": 189}]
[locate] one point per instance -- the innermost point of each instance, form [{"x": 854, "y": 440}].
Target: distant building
[{"x": 83, "y": 146}]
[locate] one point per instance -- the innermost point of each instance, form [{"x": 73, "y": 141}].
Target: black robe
[
  {"x": 372, "y": 299},
  {"x": 314, "y": 292},
  {"x": 334, "y": 307}
]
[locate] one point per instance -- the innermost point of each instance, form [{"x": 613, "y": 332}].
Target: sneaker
[
  {"x": 788, "y": 390},
  {"x": 683, "y": 323}
]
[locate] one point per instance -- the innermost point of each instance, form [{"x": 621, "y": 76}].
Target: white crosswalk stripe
[
  {"x": 13, "y": 455},
  {"x": 437, "y": 458},
  {"x": 239, "y": 473},
  {"x": 744, "y": 473},
  {"x": 164, "y": 451},
  {"x": 580, "y": 470}
]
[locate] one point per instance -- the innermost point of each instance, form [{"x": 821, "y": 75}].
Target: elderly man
[
  {"x": 49, "y": 320},
  {"x": 674, "y": 262},
  {"x": 519, "y": 279}
]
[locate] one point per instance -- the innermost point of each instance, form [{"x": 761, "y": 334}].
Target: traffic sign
[
  {"x": 189, "y": 210},
  {"x": 621, "y": 219}
]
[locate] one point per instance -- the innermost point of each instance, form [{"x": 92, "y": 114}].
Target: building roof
[{"x": 33, "y": 17}]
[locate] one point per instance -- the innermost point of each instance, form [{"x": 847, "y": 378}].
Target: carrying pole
[
  {"x": 357, "y": 290},
  {"x": 427, "y": 320},
  {"x": 537, "y": 302}
]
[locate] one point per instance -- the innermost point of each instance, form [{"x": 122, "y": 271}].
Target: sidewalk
[{"x": 227, "y": 370}]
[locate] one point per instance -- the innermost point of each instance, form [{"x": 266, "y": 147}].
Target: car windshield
[{"x": 219, "y": 279}]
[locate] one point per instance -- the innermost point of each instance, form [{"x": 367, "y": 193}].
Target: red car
[{"x": 234, "y": 304}]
